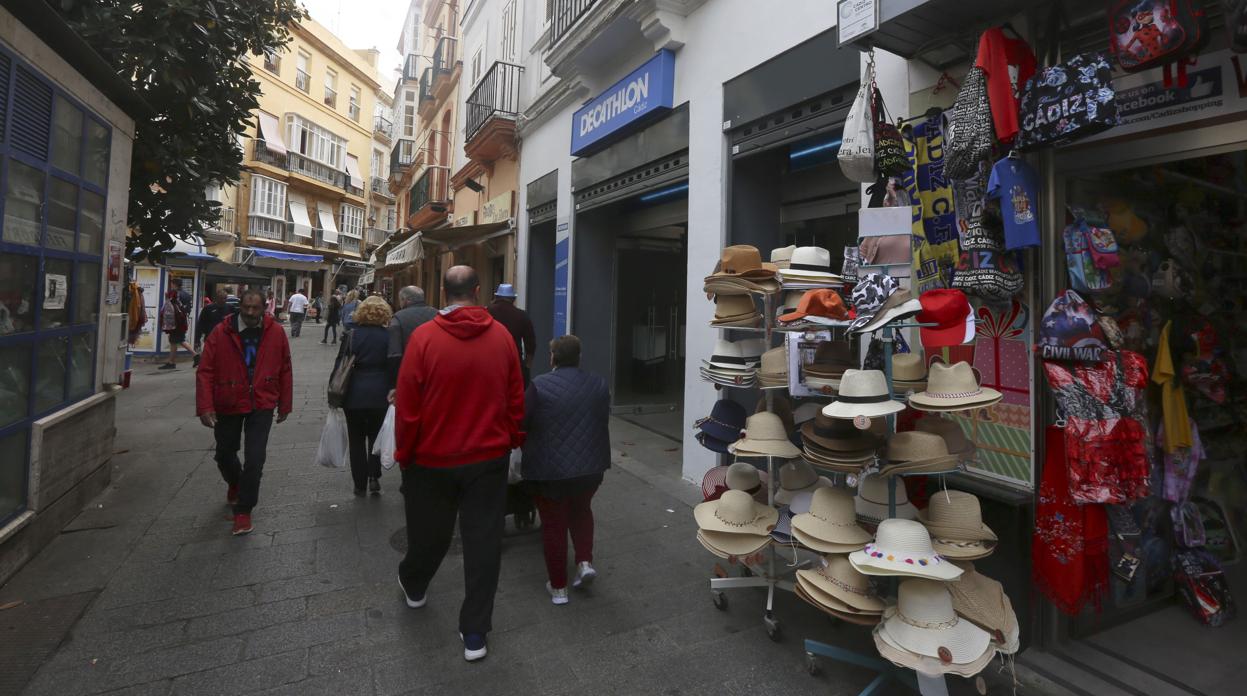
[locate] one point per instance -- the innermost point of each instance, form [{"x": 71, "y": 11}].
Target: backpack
[
  {"x": 1090, "y": 252},
  {"x": 1146, "y": 33}
]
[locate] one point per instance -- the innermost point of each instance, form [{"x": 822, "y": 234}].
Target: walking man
[
  {"x": 516, "y": 321},
  {"x": 458, "y": 408},
  {"x": 412, "y": 313},
  {"x": 297, "y": 306},
  {"x": 335, "y": 316},
  {"x": 245, "y": 376}
]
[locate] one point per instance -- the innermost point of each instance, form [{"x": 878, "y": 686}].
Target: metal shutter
[
  {"x": 32, "y": 115},
  {"x": 5, "y": 65}
]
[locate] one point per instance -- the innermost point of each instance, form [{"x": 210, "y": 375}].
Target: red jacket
[
  {"x": 221, "y": 384},
  {"x": 460, "y": 392}
]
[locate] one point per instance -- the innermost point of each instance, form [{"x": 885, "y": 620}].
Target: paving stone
[
  {"x": 303, "y": 634},
  {"x": 252, "y": 675},
  {"x": 247, "y": 619},
  {"x": 356, "y": 682},
  {"x": 262, "y": 565},
  {"x": 309, "y": 584},
  {"x": 165, "y": 611}
]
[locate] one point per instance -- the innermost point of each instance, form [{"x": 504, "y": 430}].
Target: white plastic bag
[
  {"x": 857, "y": 148},
  {"x": 514, "y": 475},
  {"x": 334, "y": 451},
  {"x": 384, "y": 446}
]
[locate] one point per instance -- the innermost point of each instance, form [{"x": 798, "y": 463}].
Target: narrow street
[{"x": 146, "y": 592}]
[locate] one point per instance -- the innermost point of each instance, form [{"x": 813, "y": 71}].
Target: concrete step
[{"x": 1083, "y": 669}]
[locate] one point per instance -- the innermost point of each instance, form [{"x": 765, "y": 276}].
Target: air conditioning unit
[{"x": 116, "y": 343}]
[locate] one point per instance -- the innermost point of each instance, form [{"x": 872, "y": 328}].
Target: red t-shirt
[{"x": 1008, "y": 64}]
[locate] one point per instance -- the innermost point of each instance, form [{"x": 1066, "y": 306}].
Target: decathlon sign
[{"x": 648, "y": 90}]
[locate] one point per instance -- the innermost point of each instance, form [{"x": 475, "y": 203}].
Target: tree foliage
[{"x": 188, "y": 59}]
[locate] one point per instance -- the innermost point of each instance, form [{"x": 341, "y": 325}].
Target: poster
[
  {"x": 113, "y": 295},
  {"x": 55, "y": 290},
  {"x": 560, "y": 281},
  {"x": 148, "y": 280}
]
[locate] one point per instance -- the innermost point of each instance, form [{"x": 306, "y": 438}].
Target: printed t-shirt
[
  {"x": 1172, "y": 397},
  {"x": 250, "y": 347},
  {"x": 1008, "y": 64},
  {"x": 1016, "y": 185}
]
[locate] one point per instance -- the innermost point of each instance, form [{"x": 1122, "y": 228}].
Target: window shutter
[
  {"x": 32, "y": 115},
  {"x": 5, "y": 64}
]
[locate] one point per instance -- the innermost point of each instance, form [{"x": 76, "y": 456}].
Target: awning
[
  {"x": 221, "y": 271},
  {"x": 298, "y": 213},
  {"x": 271, "y": 133},
  {"x": 937, "y": 32},
  {"x": 408, "y": 251},
  {"x": 287, "y": 255},
  {"x": 352, "y": 170},
  {"x": 455, "y": 237},
  {"x": 368, "y": 277},
  {"x": 329, "y": 230}
]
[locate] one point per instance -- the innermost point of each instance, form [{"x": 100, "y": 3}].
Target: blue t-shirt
[{"x": 1017, "y": 186}]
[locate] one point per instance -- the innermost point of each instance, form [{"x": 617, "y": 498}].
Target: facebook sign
[{"x": 648, "y": 90}]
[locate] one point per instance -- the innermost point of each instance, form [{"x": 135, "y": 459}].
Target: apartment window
[
  {"x": 378, "y": 164},
  {"x": 549, "y": 13},
  {"x": 352, "y": 107},
  {"x": 477, "y": 59},
  {"x": 302, "y": 73},
  {"x": 352, "y": 223},
  {"x": 331, "y": 89},
  {"x": 272, "y": 62},
  {"x": 409, "y": 121},
  {"x": 315, "y": 142},
  {"x": 268, "y": 198},
  {"x": 507, "y": 45}
]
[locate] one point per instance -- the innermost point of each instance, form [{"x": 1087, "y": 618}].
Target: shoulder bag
[{"x": 340, "y": 380}]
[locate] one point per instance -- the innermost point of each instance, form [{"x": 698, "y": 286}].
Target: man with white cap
[{"x": 516, "y": 321}]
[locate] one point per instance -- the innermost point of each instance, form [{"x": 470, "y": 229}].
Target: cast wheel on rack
[
  {"x": 772, "y": 629},
  {"x": 745, "y": 572},
  {"x": 719, "y": 599},
  {"x": 812, "y": 665}
]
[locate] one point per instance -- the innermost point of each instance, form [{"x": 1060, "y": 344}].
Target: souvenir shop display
[
  {"x": 740, "y": 476},
  {"x": 955, "y": 521},
  {"x": 773, "y": 369},
  {"x": 923, "y": 632},
  {"x": 782, "y": 256},
  {"x": 722, "y": 427},
  {"x": 917, "y": 452},
  {"x": 830, "y": 525},
  {"x": 863, "y": 393},
  {"x": 871, "y": 503},
  {"x": 982, "y": 601},
  {"x": 815, "y": 309},
  {"x": 797, "y": 477},
  {"x": 955, "y": 438},
  {"x": 809, "y": 267},
  {"x": 735, "y": 311},
  {"x": 740, "y": 271},
  {"x": 956, "y": 387}
]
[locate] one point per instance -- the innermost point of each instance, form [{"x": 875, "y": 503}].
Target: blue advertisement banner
[
  {"x": 650, "y": 89},
  {"x": 560, "y": 286}
]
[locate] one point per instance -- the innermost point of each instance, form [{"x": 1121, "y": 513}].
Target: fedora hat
[
  {"x": 821, "y": 306},
  {"x": 923, "y": 622},
  {"x": 863, "y": 393},
  {"x": 953, "y": 387},
  {"x": 725, "y": 545},
  {"x": 871, "y": 503},
  {"x": 899, "y": 305},
  {"x": 954, "y": 437},
  {"x": 765, "y": 436},
  {"x": 712, "y": 443},
  {"x": 849, "y": 589},
  {"x": 782, "y": 256},
  {"x": 837, "y": 435},
  {"x": 737, "y": 355},
  {"x": 950, "y": 312},
  {"x": 831, "y": 359},
  {"x": 733, "y": 307},
  {"x": 902, "y": 547},
  {"x": 983, "y": 602},
  {"x": 815, "y": 596},
  {"x": 909, "y": 370},
  {"x": 914, "y": 451},
  {"x": 773, "y": 371},
  {"x": 797, "y": 477},
  {"x": 743, "y": 261},
  {"x": 956, "y": 515},
  {"x": 809, "y": 263},
  {"x": 725, "y": 422},
  {"x": 736, "y": 512},
  {"x": 830, "y": 522}
]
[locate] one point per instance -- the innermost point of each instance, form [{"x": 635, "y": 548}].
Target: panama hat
[
  {"x": 798, "y": 477},
  {"x": 902, "y": 547},
  {"x": 954, "y": 436},
  {"x": 955, "y": 387},
  {"x": 909, "y": 372},
  {"x": 725, "y": 545},
  {"x": 830, "y": 523},
  {"x": 932, "y": 666},
  {"x": 956, "y": 515},
  {"x": 950, "y": 313},
  {"x": 765, "y": 437},
  {"x": 849, "y": 589},
  {"x": 983, "y": 602},
  {"x": 782, "y": 256},
  {"x": 809, "y": 263},
  {"x": 871, "y": 503},
  {"x": 915, "y": 451},
  {"x": 899, "y": 305},
  {"x": 773, "y": 371},
  {"x": 924, "y": 623},
  {"x": 737, "y": 355},
  {"x": 736, "y": 512},
  {"x": 863, "y": 393},
  {"x": 734, "y": 308},
  {"x": 811, "y": 594},
  {"x": 837, "y": 435}
]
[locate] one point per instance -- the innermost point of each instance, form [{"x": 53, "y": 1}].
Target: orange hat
[{"x": 825, "y": 303}]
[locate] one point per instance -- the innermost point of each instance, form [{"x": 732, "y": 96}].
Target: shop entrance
[{"x": 539, "y": 295}]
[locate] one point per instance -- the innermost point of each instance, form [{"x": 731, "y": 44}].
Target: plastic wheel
[
  {"x": 811, "y": 665},
  {"x": 772, "y": 630},
  {"x": 719, "y": 599}
]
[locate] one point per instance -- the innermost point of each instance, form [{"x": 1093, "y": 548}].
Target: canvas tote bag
[{"x": 857, "y": 149}]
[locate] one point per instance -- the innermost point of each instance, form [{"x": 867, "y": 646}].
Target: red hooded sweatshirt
[{"x": 460, "y": 392}]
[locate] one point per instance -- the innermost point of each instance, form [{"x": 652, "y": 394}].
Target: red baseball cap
[{"x": 952, "y": 316}]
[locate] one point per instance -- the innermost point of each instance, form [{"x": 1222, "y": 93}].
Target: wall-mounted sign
[
  {"x": 648, "y": 90},
  {"x": 404, "y": 253},
  {"x": 855, "y": 19},
  {"x": 496, "y": 209}
]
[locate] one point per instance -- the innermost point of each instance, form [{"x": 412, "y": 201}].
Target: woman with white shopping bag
[{"x": 367, "y": 393}]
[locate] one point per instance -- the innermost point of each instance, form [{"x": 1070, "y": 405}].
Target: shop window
[
  {"x": 53, "y": 294},
  {"x": 81, "y": 366},
  {"x": 91, "y": 224},
  {"x": 52, "y": 355},
  {"x": 12, "y": 473},
  {"x": 87, "y": 293},
  {"x": 17, "y": 292},
  {"x": 62, "y": 214},
  {"x": 96, "y": 165},
  {"x": 272, "y": 61},
  {"x": 14, "y": 384},
  {"x": 67, "y": 136},
  {"x": 23, "y": 204}
]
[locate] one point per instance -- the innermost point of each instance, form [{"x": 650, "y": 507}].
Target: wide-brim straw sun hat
[
  {"x": 840, "y": 580},
  {"x": 820, "y": 600},
  {"x": 963, "y": 550},
  {"x": 956, "y": 515},
  {"x": 725, "y": 545},
  {"x": 863, "y": 393},
  {"x": 902, "y": 547},
  {"x": 915, "y": 451},
  {"x": 831, "y": 520},
  {"x": 954, "y": 435},
  {"x": 798, "y": 477},
  {"x": 953, "y": 388},
  {"x": 924, "y": 623},
  {"x": 932, "y": 666},
  {"x": 765, "y": 436},
  {"x": 983, "y": 602},
  {"x": 736, "y": 512},
  {"x": 871, "y": 503}
]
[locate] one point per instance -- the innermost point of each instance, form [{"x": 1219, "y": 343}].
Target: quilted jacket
[{"x": 566, "y": 415}]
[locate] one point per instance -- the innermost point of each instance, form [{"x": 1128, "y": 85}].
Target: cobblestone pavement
[{"x": 152, "y": 596}]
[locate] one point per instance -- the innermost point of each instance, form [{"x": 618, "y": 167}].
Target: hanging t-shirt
[
  {"x": 1017, "y": 186},
  {"x": 1172, "y": 397},
  {"x": 1008, "y": 64}
]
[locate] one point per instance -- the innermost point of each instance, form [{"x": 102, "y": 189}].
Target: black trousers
[
  {"x": 362, "y": 426},
  {"x": 477, "y": 495},
  {"x": 296, "y": 323},
  {"x": 250, "y": 431},
  {"x": 331, "y": 326}
]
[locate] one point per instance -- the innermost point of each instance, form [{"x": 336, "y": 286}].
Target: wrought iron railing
[
  {"x": 225, "y": 220},
  {"x": 403, "y": 154},
  {"x": 381, "y": 187},
  {"x": 302, "y": 80},
  {"x": 411, "y": 67},
  {"x": 426, "y": 85},
  {"x": 321, "y": 172},
  {"x": 444, "y": 55},
  {"x": 346, "y": 243},
  {"x": 261, "y": 153},
  {"x": 383, "y": 126},
  {"x": 268, "y": 228},
  {"x": 566, "y": 14},
  {"x": 432, "y": 188},
  {"x": 376, "y": 236},
  {"x": 497, "y": 94},
  {"x": 353, "y": 189}
]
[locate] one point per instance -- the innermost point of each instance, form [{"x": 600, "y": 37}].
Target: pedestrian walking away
[
  {"x": 459, "y": 408},
  {"x": 210, "y": 317},
  {"x": 517, "y": 322},
  {"x": 173, "y": 322},
  {"x": 245, "y": 376},
  {"x": 318, "y": 309},
  {"x": 333, "y": 318},
  {"x": 297, "y": 307},
  {"x": 368, "y": 394},
  {"x": 413, "y": 312},
  {"x": 566, "y": 452},
  {"x": 348, "y": 308}
]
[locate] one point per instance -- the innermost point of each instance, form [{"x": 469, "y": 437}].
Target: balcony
[
  {"x": 270, "y": 230},
  {"x": 302, "y": 80},
  {"x": 306, "y": 166},
  {"x": 426, "y": 105},
  {"x": 381, "y": 188},
  {"x": 411, "y": 68},
  {"x": 352, "y": 110},
  {"x": 566, "y": 14},
  {"x": 223, "y": 229},
  {"x": 578, "y": 27},
  {"x": 353, "y": 190},
  {"x": 445, "y": 64},
  {"x": 402, "y": 156},
  {"x": 347, "y": 244},
  {"x": 260, "y": 153},
  {"x": 430, "y": 197},
  {"x": 383, "y": 127},
  {"x": 375, "y": 237},
  {"x": 331, "y": 98},
  {"x": 491, "y": 113}
]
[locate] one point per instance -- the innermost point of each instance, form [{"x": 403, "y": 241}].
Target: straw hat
[
  {"x": 956, "y": 515},
  {"x": 798, "y": 477},
  {"x": 809, "y": 263},
  {"x": 897, "y": 655},
  {"x": 740, "y": 271},
  {"x": 726, "y": 545},
  {"x": 909, "y": 372},
  {"x": 810, "y": 593},
  {"x": 863, "y": 393},
  {"x": 902, "y": 547},
  {"x": 831, "y": 523},
  {"x": 837, "y": 435},
  {"x": 871, "y": 503},
  {"x": 898, "y": 305},
  {"x": 782, "y": 256},
  {"x": 955, "y": 387},
  {"x": 954, "y": 437},
  {"x": 736, "y": 512},
  {"x": 915, "y": 451},
  {"x": 983, "y": 602},
  {"x": 765, "y": 437},
  {"x": 774, "y": 368},
  {"x": 924, "y": 623},
  {"x": 831, "y": 359},
  {"x": 849, "y": 589},
  {"x": 734, "y": 309},
  {"x": 737, "y": 355}
]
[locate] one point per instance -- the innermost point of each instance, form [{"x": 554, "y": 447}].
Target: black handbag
[
  {"x": 971, "y": 134},
  {"x": 340, "y": 379}
]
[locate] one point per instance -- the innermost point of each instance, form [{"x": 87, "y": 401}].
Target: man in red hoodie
[
  {"x": 244, "y": 375},
  {"x": 458, "y": 410}
]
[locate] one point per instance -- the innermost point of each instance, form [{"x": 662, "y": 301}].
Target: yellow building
[{"x": 300, "y": 211}]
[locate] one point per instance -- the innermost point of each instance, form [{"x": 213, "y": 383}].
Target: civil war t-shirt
[
  {"x": 250, "y": 347},
  {"x": 1016, "y": 185}
]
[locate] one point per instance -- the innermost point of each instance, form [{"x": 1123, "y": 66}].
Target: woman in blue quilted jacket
[{"x": 566, "y": 413}]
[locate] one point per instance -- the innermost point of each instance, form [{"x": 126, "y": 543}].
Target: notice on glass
[
  {"x": 857, "y": 18},
  {"x": 114, "y": 273},
  {"x": 55, "y": 290}
]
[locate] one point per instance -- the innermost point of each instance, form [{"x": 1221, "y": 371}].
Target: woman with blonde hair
[
  {"x": 367, "y": 396},
  {"x": 348, "y": 310}
]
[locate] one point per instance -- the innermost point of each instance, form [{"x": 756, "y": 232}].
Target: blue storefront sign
[{"x": 647, "y": 91}]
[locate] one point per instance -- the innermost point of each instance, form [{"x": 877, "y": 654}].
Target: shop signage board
[
  {"x": 647, "y": 91},
  {"x": 496, "y": 209},
  {"x": 1216, "y": 87},
  {"x": 115, "y": 269},
  {"x": 855, "y": 19},
  {"x": 560, "y": 281},
  {"x": 403, "y": 253}
]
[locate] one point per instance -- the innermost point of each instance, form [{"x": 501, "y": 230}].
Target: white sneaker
[
  {"x": 585, "y": 574},
  {"x": 413, "y": 603},
  {"x": 558, "y": 596},
  {"x": 470, "y": 653}
]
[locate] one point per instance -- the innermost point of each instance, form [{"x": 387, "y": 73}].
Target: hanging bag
[
  {"x": 333, "y": 451},
  {"x": 384, "y": 445},
  {"x": 890, "y": 157},
  {"x": 340, "y": 380},
  {"x": 857, "y": 147},
  {"x": 1236, "y": 24},
  {"x": 971, "y": 133}
]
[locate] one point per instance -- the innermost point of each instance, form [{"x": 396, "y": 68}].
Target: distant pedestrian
[
  {"x": 245, "y": 376},
  {"x": 333, "y": 317},
  {"x": 210, "y": 317},
  {"x": 271, "y": 306},
  {"x": 566, "y": 451},
  {"x": 297, "y": 305},
  {"x": 459, "y": 408},
  {"x": 412, "y": 313},
  {"x": 367, "y": 397},
  {"x": 184, "y": 297},
  {"x": 173, "y": 323},
  {"x": 516, "y": 321},
  {"x": 317, "y": 309},
  {"x": 348, "y": 308}
]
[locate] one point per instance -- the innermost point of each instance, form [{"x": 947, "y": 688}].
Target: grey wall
[{"x": 593, "y": 288}]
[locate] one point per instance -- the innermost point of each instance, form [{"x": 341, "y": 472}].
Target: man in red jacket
[
  {"x": 243, "y": 377},
  {"x": 458, "y": 410}
]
